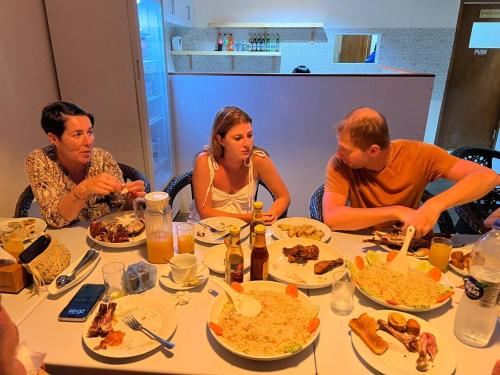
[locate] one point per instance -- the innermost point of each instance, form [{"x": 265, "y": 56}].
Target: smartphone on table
[{"x": 83, "y": 303}]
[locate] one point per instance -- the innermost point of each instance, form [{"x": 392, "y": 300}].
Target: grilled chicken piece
[
  {"x": 107, "y": 319},
  {"x": 301, "y": 253},
  {"x": 324, "y": 266},
  {"x": 135, "y": 227},
  {"x": 95, "y": 327},
  {"x": 410, "y": 342},
  {"x": 427, "y": 345}
]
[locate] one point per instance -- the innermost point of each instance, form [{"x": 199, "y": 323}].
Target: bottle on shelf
[
  {"x": 256, "y": 219},
  {"x": 252, "y": 42},
  {"x": 261, "y": 43},
  {"x": 259, "y": 261},
  {"x": 224, "y": 42},
  {"x": 234, "y": 257},
  {"x": 476, "y": 316},
  {"x": 277, "y": 43},
  {"x": 267, "y": 43},
  {"x": 230, "y": 42},
  {"x": 219, "y": 42}
]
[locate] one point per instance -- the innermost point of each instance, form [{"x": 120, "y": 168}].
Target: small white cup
[{"x": 185, "y": 268}]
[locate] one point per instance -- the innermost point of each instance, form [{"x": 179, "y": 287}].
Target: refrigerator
[{"x": 110, "y": 59}]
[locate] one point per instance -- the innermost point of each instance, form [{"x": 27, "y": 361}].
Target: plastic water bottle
[{"x": 477, "y": 312}]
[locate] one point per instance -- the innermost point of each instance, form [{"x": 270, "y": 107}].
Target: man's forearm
[{"x": 349, "y": 218}]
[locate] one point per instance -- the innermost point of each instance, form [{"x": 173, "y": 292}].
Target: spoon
[
  {"x": 243, "y": 304},
  {"x": 399, "y": 262},
  {"x": 66, "y": 279}
]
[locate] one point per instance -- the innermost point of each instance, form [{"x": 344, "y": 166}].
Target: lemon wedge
[
  {"x": 424, "y": 266},
  {"x": 372, "y": 257}
]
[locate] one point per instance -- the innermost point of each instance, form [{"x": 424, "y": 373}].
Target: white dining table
[{"x": 196, "y": 352}]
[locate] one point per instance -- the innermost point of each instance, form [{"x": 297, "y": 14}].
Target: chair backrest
[
  {"x": 472, "y": 214},
  {"x": 178, "y": 183},
  {"x": 445, "y": 222},
  {"x": 26, "y": 198}
]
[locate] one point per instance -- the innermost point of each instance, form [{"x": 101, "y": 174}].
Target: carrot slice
[
  {"x": 391, "y": 255},
  {"x": 313, "y": 324},
  {"x": 392, "y": 302},
  {"x": 217, "y": 329},
  {"x": 360, "y": 263},
  {"x": 444, "y": 297},
  {"x": 291, "y": 290},
  {"x": 435, "y": 274},
  {"x": 237, "y": 286}
]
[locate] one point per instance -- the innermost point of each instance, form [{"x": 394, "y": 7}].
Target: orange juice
[
  {"x": 439, "y": 254},
  {"x": 161, "y": 251},
  {"x": 185, "y": 244}
]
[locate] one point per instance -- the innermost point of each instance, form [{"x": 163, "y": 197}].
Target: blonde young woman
[{"x": 226, "y": 175}]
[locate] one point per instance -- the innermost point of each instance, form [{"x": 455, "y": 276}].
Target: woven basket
[{"x": 49, "y": 264}]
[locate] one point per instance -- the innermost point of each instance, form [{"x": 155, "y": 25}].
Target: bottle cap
[
  {"x": 234, "y": 230},
  {"x": 258, "y": 205},
  {"x": 259, "y": 228}
]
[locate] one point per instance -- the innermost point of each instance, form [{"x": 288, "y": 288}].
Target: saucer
[{"x": 166, "y": 279}]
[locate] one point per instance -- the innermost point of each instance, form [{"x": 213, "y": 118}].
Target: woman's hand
[
  {"x": 135, "y": 189},
  {"x": 102, "y": 184},
  {"x": 269, "y": 217}
]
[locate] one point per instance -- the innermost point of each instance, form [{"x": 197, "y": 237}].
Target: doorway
[{"x": 470, "y": 114}]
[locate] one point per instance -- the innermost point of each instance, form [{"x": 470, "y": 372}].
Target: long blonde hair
[{"x": 224, "y": 120}]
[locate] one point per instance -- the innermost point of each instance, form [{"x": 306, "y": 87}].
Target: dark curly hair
[{"x": 54, "y": 116}]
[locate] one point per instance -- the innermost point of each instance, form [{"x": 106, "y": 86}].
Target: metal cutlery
[
  {"x": 133, "y": 323},
  {"x": 210, "y": 228},
  {"x": 63, "y": 280}
]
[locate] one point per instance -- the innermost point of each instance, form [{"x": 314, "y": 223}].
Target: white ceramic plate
[
  {"x": 214, "y": 258},
  {"x": 218, "y": 303},
  {"x": 412, "y": 262},
  {"x": 126, "y": 216},
  {"x": 302, "y": 275},
  {"x": 397, "y": 360},
  {"x": 296, "y": 221},
  {"x": 40, "y": 226},
  {"x": 82, "y": 274},
  {"x": 219, "y": 222},
  {"x": 167, "y": 281},
  {"x": 157, "y": 314},
  {"x": 466, "y": 249}
]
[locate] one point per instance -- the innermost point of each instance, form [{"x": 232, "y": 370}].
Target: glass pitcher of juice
[{"x": 158, "y": 221}]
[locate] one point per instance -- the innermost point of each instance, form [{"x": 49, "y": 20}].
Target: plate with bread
[
  {"x": 29, "y": 227},
  {"x": 300, "y": 227},
  {"x": 400, "y": 343}
]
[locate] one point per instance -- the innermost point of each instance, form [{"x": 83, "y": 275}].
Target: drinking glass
[
  {"x": 113, "y": 274},
  {"x": 439, "y": 253},
  {"x": 185, "y": 238},
  {"x": 342, "y": 295}
]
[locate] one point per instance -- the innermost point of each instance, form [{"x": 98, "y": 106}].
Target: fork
[
  {"x": 133, "y": 323},
  {"x": 210, "y": 228}
]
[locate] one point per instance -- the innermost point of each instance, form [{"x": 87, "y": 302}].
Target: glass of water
[{"x": 342, "y": 295}]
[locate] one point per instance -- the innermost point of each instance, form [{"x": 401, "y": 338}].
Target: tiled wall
[{"x": 418, "y": 50}]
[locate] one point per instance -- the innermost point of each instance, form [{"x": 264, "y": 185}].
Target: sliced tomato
[
  {"x": 291, "y": 290},
  {"x": 237, "y": 286},
  {"x": 391, "y": 255},
  {"x": 217, "y": 329},
  {"x": 434, "y": 273},
  {"x": 360, "y": 263},
  {"x": 444, "y": 296},
  {"x": 392, "y": 302},
  {"x": 313, "y": 324}
]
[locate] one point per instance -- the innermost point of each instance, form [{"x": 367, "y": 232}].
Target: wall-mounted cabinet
[{"x": 178, "y": 12}]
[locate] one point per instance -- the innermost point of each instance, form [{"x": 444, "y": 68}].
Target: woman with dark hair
[
  {"x": 225, "y": 174},
  {"x": 70, "y": 178}
]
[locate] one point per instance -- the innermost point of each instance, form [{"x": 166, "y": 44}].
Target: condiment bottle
[
  {"x": 259, "y": 263},
  {"x": 234, "y": 257},
  {"x": 256, "y": 219}
]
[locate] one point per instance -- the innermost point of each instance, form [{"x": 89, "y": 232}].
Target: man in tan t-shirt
[{"x": 384, "y": 180}]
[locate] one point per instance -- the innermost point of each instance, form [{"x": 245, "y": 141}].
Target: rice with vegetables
[
  {"x": 415, "y": 290},
  {"x": 280, "y": 327}
]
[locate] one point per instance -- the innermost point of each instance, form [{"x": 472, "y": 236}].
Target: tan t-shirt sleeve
[
  {"x": 439, "y": 161},
  {"x": 336, "y": 181}
]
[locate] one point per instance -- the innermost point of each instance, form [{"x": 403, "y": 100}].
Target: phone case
[
  {"x": 35, "y": 249},
  {"x": 83, "y": 303}
]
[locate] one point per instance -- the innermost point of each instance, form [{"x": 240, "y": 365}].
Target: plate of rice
[
  {"x": 287, "y": 324},
  {"x": 423, "y": 289}
]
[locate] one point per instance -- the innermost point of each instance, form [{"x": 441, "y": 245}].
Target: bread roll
[{"x": 366, "y": 328}]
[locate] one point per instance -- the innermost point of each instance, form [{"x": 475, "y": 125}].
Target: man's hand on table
[{"x": 422, "y": 219}]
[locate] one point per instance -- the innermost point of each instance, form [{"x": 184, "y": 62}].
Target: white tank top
[{"x": 236, "y": 203}]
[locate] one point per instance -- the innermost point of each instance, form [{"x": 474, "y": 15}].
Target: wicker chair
[
  {"x": 472, "y": 214},
  {"x": 445, "y": 222},
  {"x": 26, "y": 198},
  {"x": 178, "y": 183}
]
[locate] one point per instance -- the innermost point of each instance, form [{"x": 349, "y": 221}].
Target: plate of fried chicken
[
  {"x": 106, "y": 334},
  {"x": 310, "y": 264},
  {"x": 120, "y": 229}
]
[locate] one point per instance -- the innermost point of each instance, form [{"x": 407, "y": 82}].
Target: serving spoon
[
  {"x": 399, "y": 263},
  {"x": 64, "y": 280},
  {"x": 243, "y": 304}
]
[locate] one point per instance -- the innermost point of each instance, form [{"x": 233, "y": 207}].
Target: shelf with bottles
[
  {"x": 269, "y": 25},
  {"x": 224, "y": 53}
]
